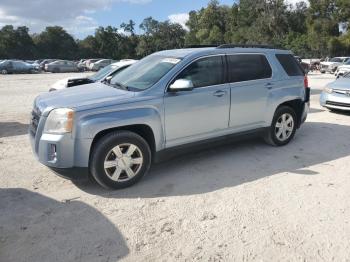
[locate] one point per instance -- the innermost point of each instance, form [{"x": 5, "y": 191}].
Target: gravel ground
[{"x": 240, "y": 202}]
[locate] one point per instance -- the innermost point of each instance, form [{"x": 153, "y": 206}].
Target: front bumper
[
  {"x": 335, "y": 101},
  {"x": 62, "y": 153}
]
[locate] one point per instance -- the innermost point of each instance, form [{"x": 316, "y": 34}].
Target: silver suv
[{"x": 166, "y": 101}]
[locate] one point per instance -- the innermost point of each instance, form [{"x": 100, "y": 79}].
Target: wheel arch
[
  {"x": 297, "y": 106},
  {"x": 143, "y": 130}
]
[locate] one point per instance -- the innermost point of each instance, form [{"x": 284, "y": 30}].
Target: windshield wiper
[{"x": 120, "y": 85}]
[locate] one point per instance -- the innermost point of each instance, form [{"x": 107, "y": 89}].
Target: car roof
[
  {"x": 182, "y": 53},
  {"x": 124, "y": 62}
]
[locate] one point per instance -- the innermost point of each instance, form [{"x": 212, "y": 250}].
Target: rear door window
[
  {"x": 245, "y": 67},
  {"x": 290, "y": 65}
]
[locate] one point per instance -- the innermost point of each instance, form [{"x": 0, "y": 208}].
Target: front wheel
[
  {"x": 4, "y": 72},
  {"x": 120, "y": 159},
  {"x": 283, "y": 127}
]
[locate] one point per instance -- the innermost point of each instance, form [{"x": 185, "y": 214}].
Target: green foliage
[
  {"x": 16, "y": 43},
  {"x": 55, "y": 42},
  {"x": 309, "y": 30}
]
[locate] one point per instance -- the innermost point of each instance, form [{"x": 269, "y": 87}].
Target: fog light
[{"x": 52, "y": 152}]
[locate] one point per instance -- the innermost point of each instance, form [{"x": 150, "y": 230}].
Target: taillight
[{"x": 306, "y": 81}]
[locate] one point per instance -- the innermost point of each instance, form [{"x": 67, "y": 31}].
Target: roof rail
[
  {"x": 200, "y": 46},
  {"x": 247, "y": 46}
]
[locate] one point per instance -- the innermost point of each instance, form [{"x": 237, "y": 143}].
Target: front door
[{"x": 194, "y": 115}]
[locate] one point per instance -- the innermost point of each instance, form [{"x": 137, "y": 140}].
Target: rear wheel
[
  {"x": 4, "y": 72},
  {"x": 120, "y": 159},
  {"x": 283, "y": 127}
]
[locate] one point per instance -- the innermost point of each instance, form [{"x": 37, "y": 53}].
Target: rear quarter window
[{"x": 290, "y": 65}]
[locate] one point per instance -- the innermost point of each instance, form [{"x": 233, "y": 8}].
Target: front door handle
[{"x": 220, "y": 93}]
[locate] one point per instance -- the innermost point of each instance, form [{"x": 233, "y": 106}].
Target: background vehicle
[
  {"x": 169, "y": 99},
  {"x": 91, "y": 61},
  {"x": 45, "y": 62},
  {"x": 332, "y": 65},
  {"x": 336, "y": 95},
  {"x": 341, "y": 70},
  {"x": 14, "y": 66},
  {"x": 100, "y": 64},
  {"x": 61, "y": 66},
  {"x": 102, "y": 75},
  {"x": 82, "y": 65}
]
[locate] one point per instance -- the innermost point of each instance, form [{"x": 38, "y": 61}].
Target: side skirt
[{"x": 172, "y": 152}]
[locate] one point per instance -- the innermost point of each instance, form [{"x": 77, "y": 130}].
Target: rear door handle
[
  {"x": 220, "y": 93},
  {"x": 269, "y": 85}
]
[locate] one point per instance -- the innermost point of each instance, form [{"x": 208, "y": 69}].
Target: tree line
[{"x": 317, "y": 29}]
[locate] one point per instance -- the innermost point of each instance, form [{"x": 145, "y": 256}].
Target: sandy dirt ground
[{"x": 244, "y": 201}]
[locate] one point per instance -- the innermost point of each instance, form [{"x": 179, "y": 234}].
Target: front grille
[
  {"x": 34, "y": 121},
  {"x": 337, "y": 104}
]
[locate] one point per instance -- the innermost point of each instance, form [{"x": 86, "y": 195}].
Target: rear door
[{"x": 250, "y": 77}]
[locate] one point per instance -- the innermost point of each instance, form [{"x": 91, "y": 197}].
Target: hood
[
  {"x": 342, "y": 83},
  {"x": 82, "y": 97},
  {"x": 63, "y": 83},
  {"x": 344, "y": 67}
]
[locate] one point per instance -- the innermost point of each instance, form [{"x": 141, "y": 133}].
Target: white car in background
[
  {"x": 332, "y": 65},
  {"x": 96, "y": 66},
  {"x": 104, "y": 74},
  {"x": 343, "y": 69}
]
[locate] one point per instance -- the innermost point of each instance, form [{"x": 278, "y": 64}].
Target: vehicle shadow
[
  {"x": 8, "y": 129},
  {"x": 36, "y": 228},
  {"x": 237, "y": 163}
]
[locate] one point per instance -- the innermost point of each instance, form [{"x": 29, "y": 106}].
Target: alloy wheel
[
  {"x": 284, "y": 127},
  {"x": 123, "y": 162}
]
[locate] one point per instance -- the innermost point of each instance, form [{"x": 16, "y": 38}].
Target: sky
[{"x": 82, "y": 17}]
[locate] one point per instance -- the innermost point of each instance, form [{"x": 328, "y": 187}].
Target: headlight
[
  {"x": 59, "y": 121},
  {"x": 328, "y": 90}
]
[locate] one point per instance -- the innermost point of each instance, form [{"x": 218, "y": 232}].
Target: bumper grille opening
[{"x": 337, "y": 104}]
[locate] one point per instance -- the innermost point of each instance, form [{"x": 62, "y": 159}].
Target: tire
[
  {"x": 288, "y": 127},
  {"x": 4, "y": 72},
  {"x": 110, "y": 164}
]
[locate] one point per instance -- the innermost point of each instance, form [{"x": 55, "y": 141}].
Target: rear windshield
[{"x": 290, "y": 65}]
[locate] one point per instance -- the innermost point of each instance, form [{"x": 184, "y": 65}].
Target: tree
[
  {"x": 55, "y": 42},
  {"x": 159, "y": 36},
  {"x": 16, "y": 43}
]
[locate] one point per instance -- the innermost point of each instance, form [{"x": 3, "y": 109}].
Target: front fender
[{"x": 89, "y": 126}]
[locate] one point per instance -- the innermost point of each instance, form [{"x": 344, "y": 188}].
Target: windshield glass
[
  {"x": 336, "y": 59},
  {"x": 346, "y": 75},
  {"x": 102, "y": 73},
  {"x": 145, "y": 73}
]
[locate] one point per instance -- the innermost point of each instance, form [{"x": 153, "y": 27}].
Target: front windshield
[
  {"x": 102, "y": 73},
  {"x": 335, "y": 59},
  {"x": 346, "y": 75},
  {"x": 145, "y": 73}
]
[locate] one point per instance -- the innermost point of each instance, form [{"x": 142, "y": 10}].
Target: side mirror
[
  {"x": 108, "y": 79},
  {"x": 181, "y": 85}
]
